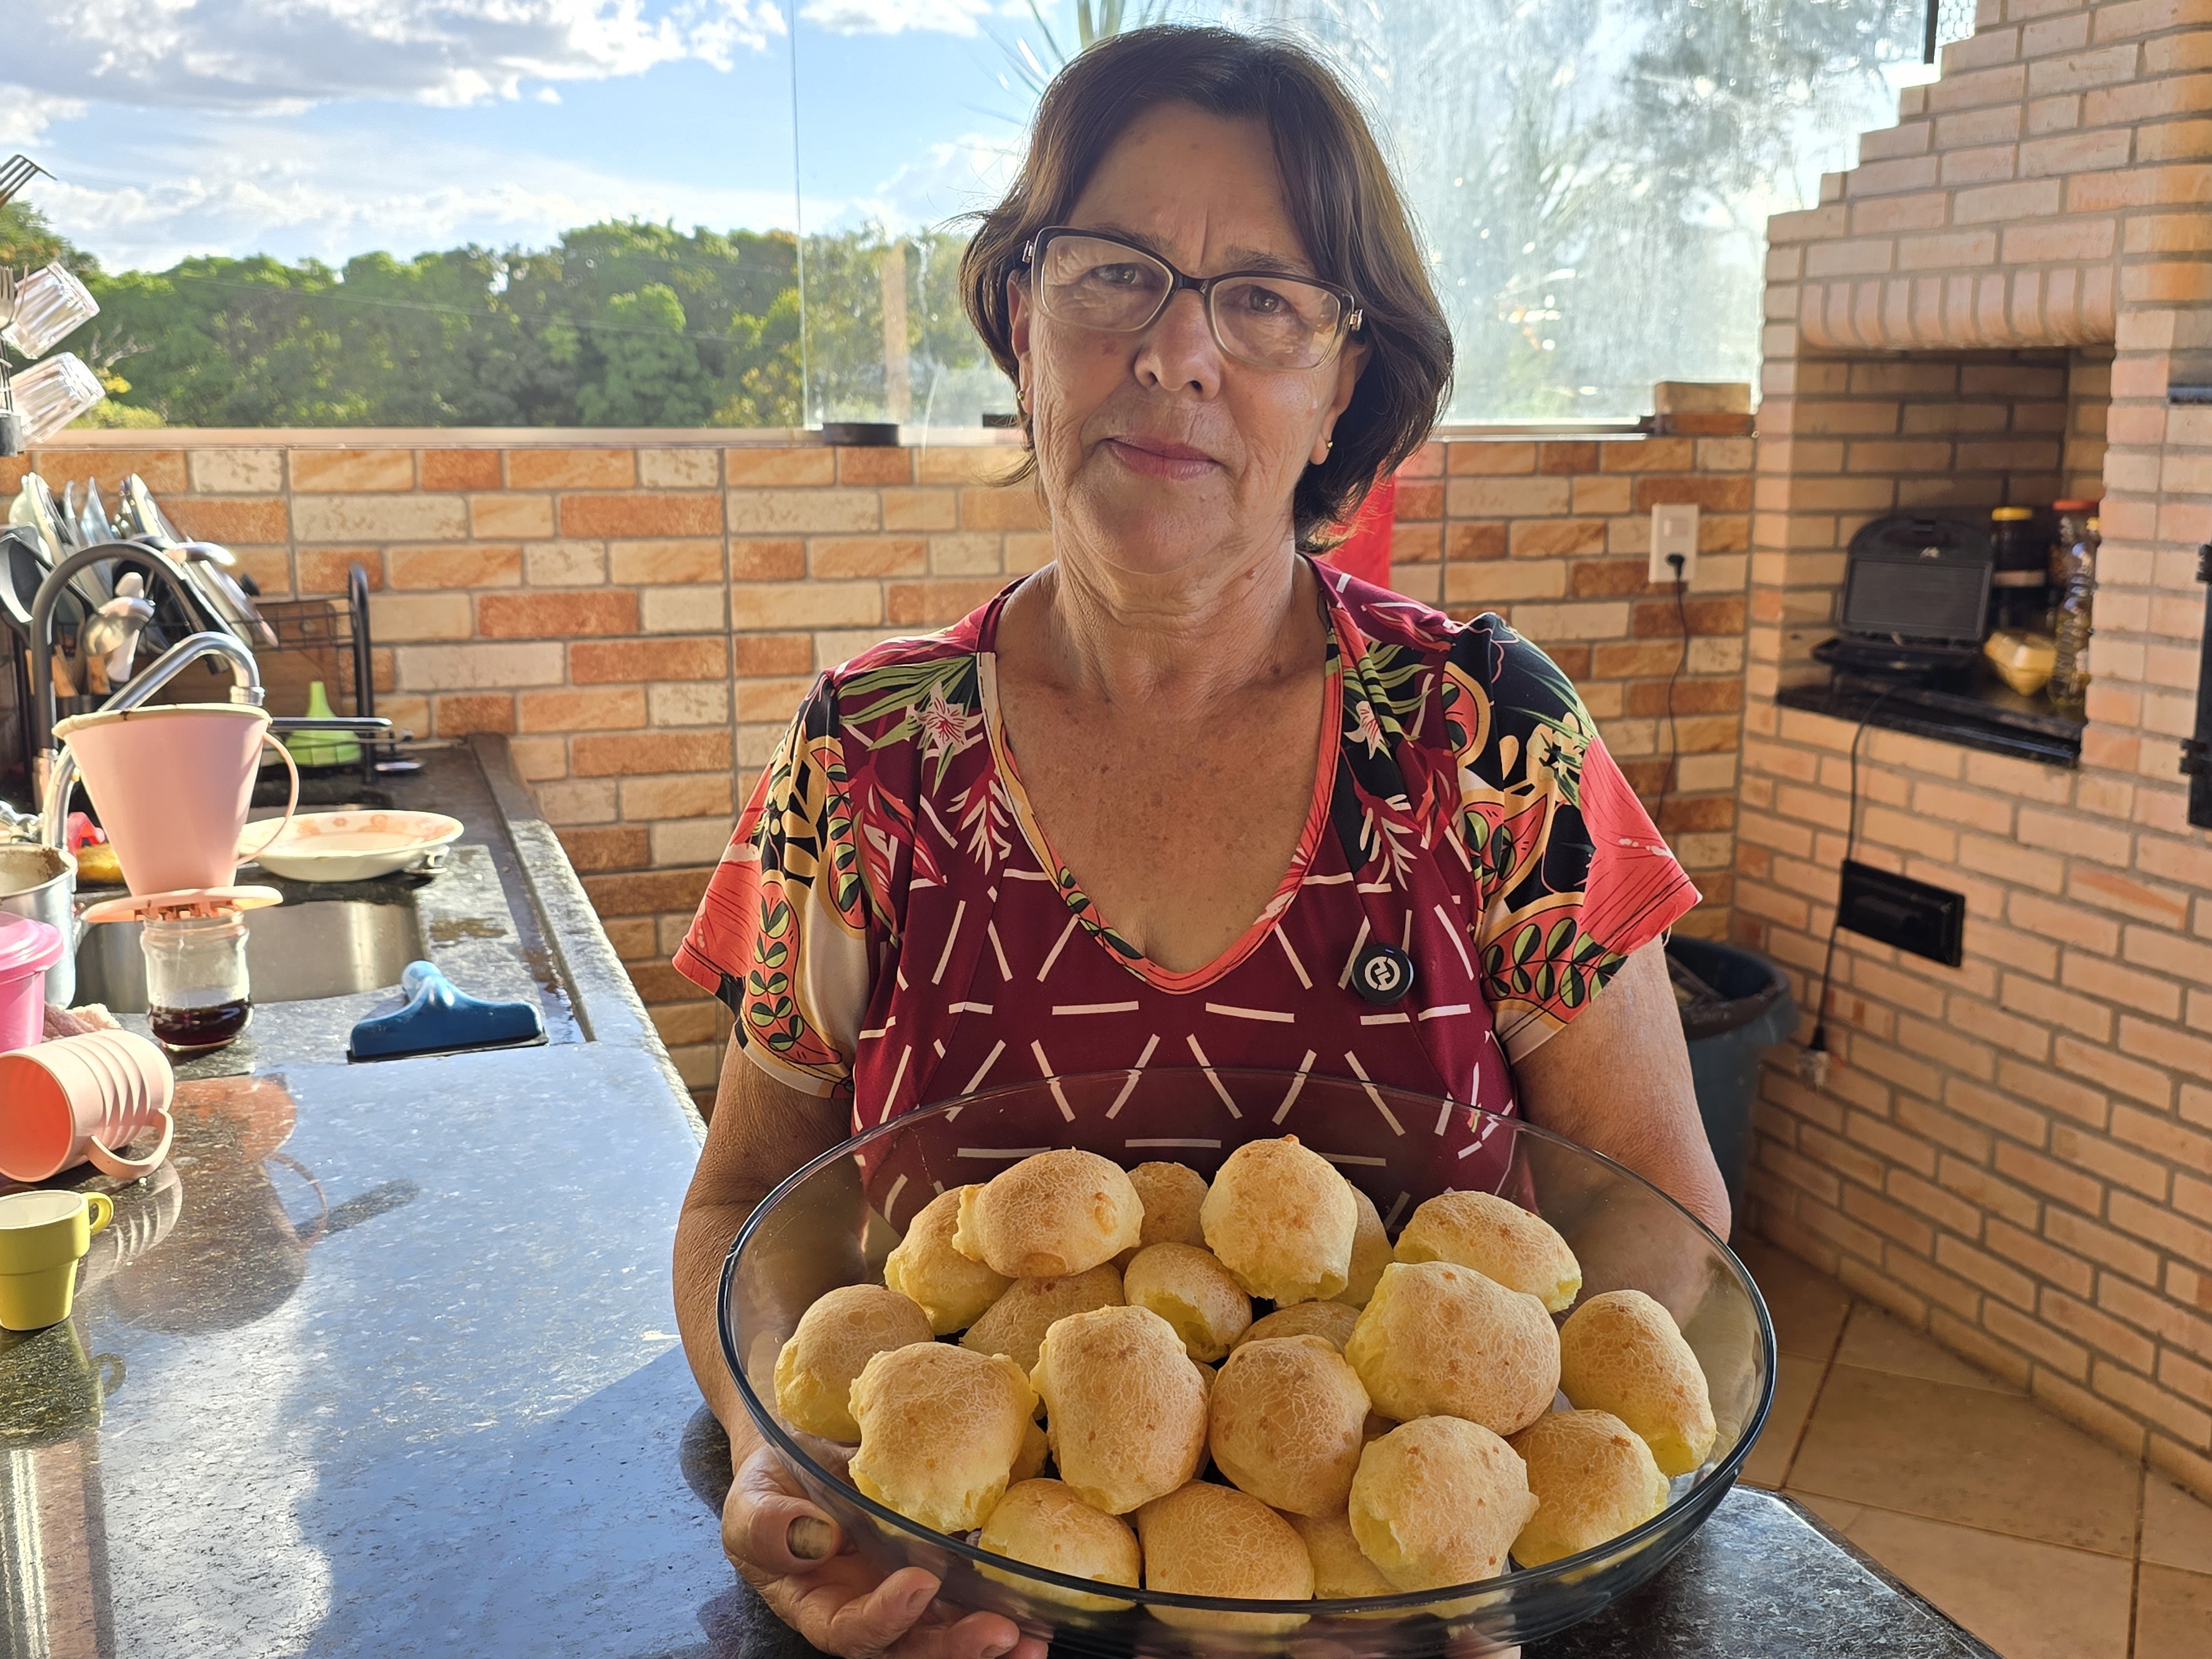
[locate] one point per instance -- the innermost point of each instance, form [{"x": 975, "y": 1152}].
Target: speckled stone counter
[{"x": 383, "y": 1360}]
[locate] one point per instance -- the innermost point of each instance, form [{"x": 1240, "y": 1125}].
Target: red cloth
[{"x": 1364, "y": 552}]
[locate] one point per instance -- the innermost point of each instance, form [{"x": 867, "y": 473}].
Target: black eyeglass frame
[{"x": 1349, "y": 317}]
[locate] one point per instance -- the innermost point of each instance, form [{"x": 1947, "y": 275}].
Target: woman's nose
[{"x": 1179, "y": 349}]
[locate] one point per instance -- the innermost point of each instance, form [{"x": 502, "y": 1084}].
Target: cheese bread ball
[
  {"x": 1330, "y": 1321},
  {"x": 835, "y": 1337},
  {"x": 1499, "y": 1240},
  {"x": 1186, "y": 1286},
  {"x": 1341, "y": 1570},
  {"x": 1439, "y": 1501},
  {"x": 1622, "y": 1353},
  {"x": 1016, "y": 1323},
  {"x": 1204, "y": 1539},
  {"x": 1282, "y": 1220},
  {"x": 1170, "y": 1193},
  {"x": 1285, "y": 1423},
  {"x": 950, "y": 1288},
  {"x": 1058, "y": 1213},
  {"x": 1043, "y": 1525},
  {"x": 1125, "y": 1406},
  {"x": 1030, "y": 1461},
  {"x": 1439, "y": 1339},
  {"x": 1594, "y": 1479},
  {"x": 940, "y": 1431},
  {"x": 1370, "y": 1251}
]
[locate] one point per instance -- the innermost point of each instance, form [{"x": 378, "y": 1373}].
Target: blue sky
[{"x": 330, "y": 127}]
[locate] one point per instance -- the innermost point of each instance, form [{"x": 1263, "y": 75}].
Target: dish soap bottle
[{"x": 2069, "y": 674}]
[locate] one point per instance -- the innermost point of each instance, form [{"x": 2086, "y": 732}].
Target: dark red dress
[{"x": 891, "y": 921}]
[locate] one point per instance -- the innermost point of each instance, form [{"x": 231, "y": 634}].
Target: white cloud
[
  {"x": 900, "y": 16},
  {"x": 283, "y": 55},
  {"x": 971, "y": 171},
  {"x": 331, "y": 195}
]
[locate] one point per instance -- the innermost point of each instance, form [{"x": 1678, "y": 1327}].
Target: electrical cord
[
  {"x": 1817, "y": 1049},
  {"x": 1674, "y": 727}
]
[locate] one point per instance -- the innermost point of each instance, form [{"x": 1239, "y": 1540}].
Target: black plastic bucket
[{"x": 1735, "y": 1002}]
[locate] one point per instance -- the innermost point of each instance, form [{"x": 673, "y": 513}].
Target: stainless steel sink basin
[{"x": 293, "y": 953}]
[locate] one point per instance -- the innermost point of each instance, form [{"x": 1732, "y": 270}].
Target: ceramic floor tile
[
  {"x": 2177, "y": 1527},
  {"x": 1807, "y": 1307},
  {"x": 1838, "y": 1513},
  {"x": 1797, "y": 1382},
  {"x": 1968, "y": 1456},
  {"x": 2173, "y": 1613},
  {"x": 2028, "y": 1601},
  {"x": 1874, "y": 1342}
]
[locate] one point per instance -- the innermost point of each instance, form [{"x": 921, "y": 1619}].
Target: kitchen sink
[{"x": 293, "y": 953}]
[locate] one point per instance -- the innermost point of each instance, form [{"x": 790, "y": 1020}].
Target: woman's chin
[{"x": 1151, "y": 533}]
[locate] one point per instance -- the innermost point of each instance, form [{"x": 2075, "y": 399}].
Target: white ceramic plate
[{"x": 350, "y": 846}]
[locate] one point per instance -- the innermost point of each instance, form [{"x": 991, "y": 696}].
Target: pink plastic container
[
  {"x": 172, "y": 783},
  {"x": 84, "y": 1099},
  {"x": 27, "y": 949}
]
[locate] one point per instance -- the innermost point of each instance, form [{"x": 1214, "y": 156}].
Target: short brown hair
[{"x": 1340, "y": 193}]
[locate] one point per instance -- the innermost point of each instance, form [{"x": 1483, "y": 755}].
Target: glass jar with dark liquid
[{"x": 197, "y": 996}]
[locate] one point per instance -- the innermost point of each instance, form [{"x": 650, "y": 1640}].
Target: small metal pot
[{"x": 41, "y": 883}]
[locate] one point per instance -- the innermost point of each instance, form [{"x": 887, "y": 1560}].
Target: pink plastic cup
[
  {"x": 153, "y": 1080},
  {"x": 65, "y": 1105},
  {"x": 27, "y": 949}
]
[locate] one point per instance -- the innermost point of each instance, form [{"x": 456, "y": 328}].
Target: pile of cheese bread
[{"x": 1390, "y": 1425}]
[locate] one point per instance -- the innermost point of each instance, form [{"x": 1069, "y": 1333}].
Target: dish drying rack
[{"x": 326, "y": 640}]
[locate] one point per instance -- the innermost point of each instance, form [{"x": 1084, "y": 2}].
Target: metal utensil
[
  {"x": 6, "y": 293},
  {"x": 16, "y": 172}
]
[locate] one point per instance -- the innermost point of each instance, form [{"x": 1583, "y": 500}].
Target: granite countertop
[{"x": 384, "y": 1361}]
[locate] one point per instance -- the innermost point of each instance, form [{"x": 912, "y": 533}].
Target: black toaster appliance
[{"x": 1916, "y": 597}]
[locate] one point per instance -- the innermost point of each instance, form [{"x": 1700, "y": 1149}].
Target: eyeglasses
[{"x": 1263, "y": 318}]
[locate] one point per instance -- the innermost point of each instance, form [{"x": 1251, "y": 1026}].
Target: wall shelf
[{"x": 1972, "y": 707}]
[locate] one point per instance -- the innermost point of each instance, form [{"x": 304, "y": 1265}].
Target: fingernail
[{"x": 996, "y": 1649}]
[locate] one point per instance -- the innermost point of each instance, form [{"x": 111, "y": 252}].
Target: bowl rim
[
  {"x": 1470, "y": 1598},
  {"x": 431, "y": 830}
]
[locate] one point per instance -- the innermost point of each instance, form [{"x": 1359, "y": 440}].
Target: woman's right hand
[{"x": 839, "y": 1602}]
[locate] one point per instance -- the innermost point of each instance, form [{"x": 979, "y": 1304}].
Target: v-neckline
[{"x": 1084, "y": 908}]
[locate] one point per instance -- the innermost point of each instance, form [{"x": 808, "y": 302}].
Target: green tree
[{"x": 650, "y": 372}]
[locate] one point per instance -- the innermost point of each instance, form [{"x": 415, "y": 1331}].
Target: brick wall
[
  {"x": 641, "y": 613},
  {"x": 2016, "y": 1154}
]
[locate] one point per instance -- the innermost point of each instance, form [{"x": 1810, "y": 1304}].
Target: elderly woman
[{"x": 1183, "y": 797}]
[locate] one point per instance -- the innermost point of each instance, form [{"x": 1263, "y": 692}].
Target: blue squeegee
[{"x": 438, "y": 1019}]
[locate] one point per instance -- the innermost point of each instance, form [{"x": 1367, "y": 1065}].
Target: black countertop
[{"x": 384, "y": 1360}]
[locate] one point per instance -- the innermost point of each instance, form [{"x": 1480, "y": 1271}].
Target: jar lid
[
  {"x": 27, "y": 946},
  {"x": 185, "y": 902},
  {"x": 2074, "y": 506},
  {"x": 2010, "y": 515}
]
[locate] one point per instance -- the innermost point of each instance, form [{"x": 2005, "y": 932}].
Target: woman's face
[{"x": 1156, "y": 451}]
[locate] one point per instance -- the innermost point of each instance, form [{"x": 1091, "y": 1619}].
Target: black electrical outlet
[{"x": 1912, "y": 915}]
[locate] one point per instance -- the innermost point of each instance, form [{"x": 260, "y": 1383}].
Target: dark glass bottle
[{"x": 2018, "y": 576}]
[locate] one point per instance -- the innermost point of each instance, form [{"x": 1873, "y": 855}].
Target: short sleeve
[
  {"x": 1573, "y": 876},
  {"x": 781, "y": 935}
]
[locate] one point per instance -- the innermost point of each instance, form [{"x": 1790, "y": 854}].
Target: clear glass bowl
[{"x": 833, "y": 1222}]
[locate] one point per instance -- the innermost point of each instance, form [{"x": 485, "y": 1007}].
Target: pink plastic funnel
[{"x": 172, "y": 784}]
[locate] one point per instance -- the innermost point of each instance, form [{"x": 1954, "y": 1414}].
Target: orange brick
[
  {"x": 457, "y": 469},
  {"x": 869, "y": 556},
  {"x": 610, "y": 708},
  {"x": 1466, "y": 543},
  {"x": 1554, "y": 539},
  {"x": 600, "y": 662},
  {"x": 607, "y": 846},
  {"x": 1019, "y": 509},
  {"x": 651, "y": 563},
  {"x": 687, "y": 796},
  {"x": 875, "y": 466},
  {"x": 2066, "y": 922},
  {"x": 530, "y": 517},
  {"x": 779, "y": 468},
  {"x": 571, "y": 469},
  {"x": 2124, "y": 988},
  {"x": 555, "y": 616},
  {"x": 1489, "y": 458},
  {"x": 164, "y": 469},
  {"x": 779, "y": 560},
  {"x": 468, "y": 564},
  {"x": 760, "y": 654},
  {"x": 650, "y": 893},
  {"x": 2044, "y": 1261},
  {"x": 908, "y": 603},
  {"x": 345, "y": 470},
  {"x": 644, "y": 755},
  {"x": 632, "y": 517},
  {"x": 474, "y": 711},
  {"x": 2032, "y": 1337},
  {"x": 329, "y": 569},
  {"x": 1567, "y": 458},
  {"x": 212, "y": 519}
]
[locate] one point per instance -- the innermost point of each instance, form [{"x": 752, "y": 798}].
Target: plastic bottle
[{"x": 2070, "y": 675}]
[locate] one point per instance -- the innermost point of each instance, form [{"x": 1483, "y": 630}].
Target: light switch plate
[{"x": 1674, "y": 529}]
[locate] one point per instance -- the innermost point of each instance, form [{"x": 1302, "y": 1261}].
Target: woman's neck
[{"x": 1168, "y": 642}]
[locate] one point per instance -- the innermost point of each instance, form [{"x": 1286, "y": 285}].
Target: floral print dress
[{"x": 890, "y": 922}]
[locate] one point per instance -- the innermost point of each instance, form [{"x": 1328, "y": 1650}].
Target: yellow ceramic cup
[{"x": 42, "y": 1236}]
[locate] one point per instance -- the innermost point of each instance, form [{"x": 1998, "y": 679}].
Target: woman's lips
[{"x": 1156, "y": 458}]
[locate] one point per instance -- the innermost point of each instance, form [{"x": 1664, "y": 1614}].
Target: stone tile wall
[{"x": 641, "y": 616}]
